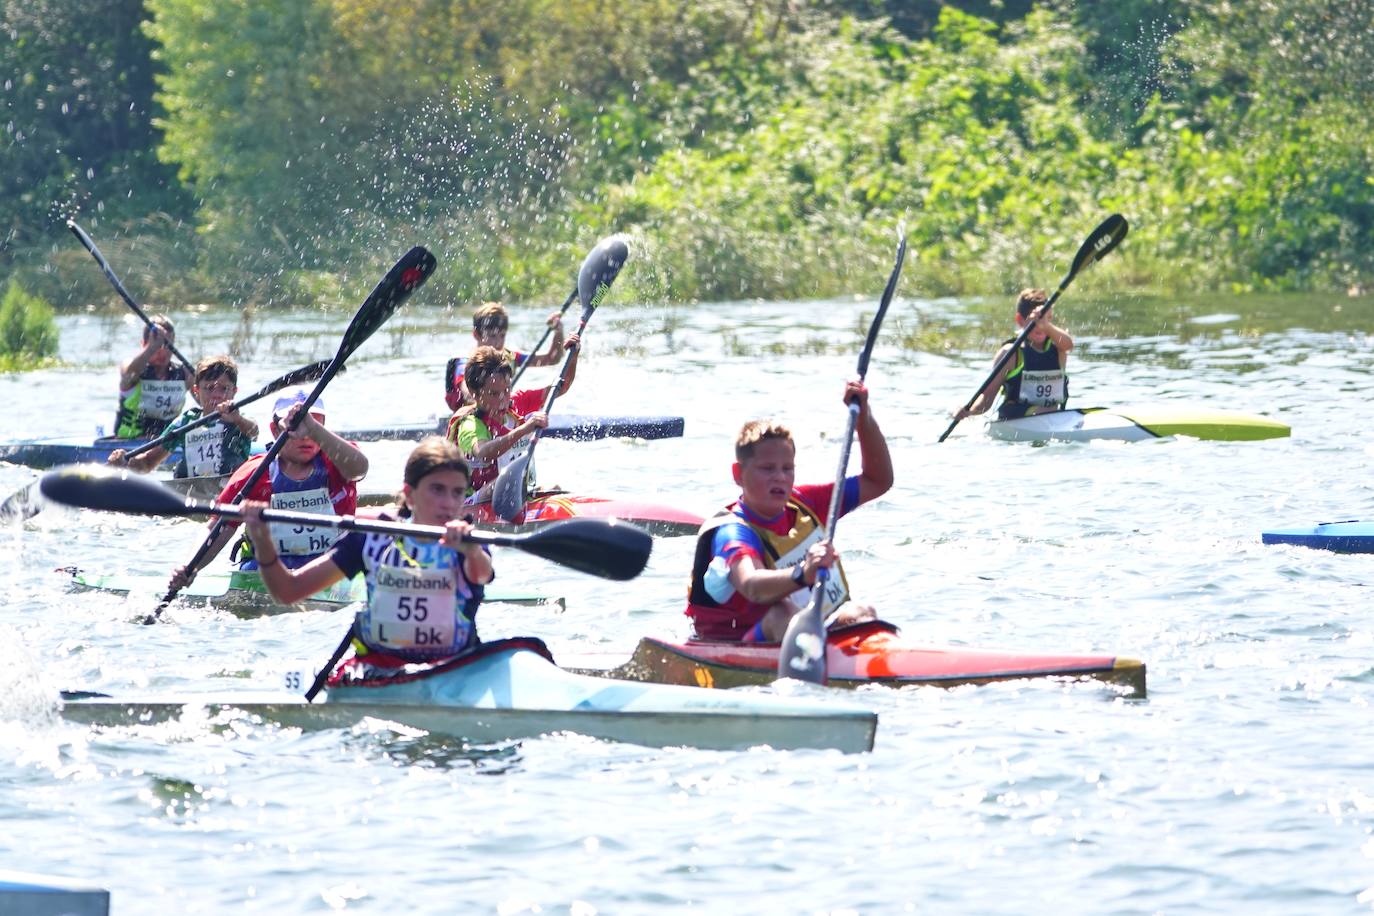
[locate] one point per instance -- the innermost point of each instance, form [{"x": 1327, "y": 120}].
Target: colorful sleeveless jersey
[
  {"x": 324, "y": 491},
  {"x": 146, "y": 411},
  {"x": 420, "y": 604},
  {"x": 453, "y": 376},
  {"x": 470, "y": 431},
  {"x": 211, "y": 450},
  {"x": 1037, "y": 383},
  {"x": 716, "y": 609}
]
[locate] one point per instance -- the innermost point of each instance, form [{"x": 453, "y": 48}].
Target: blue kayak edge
[{"x": 1338, "y": 537}]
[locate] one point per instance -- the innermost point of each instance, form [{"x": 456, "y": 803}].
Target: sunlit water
[{"x": 1243, "y": 781}]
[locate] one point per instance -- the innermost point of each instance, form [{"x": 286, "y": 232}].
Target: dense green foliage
[
  {"x": 28, "y": 329},
  {"x": 292, "y": 148}
]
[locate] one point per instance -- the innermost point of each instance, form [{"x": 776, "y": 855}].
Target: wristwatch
[{"x": 799, "y": 575}]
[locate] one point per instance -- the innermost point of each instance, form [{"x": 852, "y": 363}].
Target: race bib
[
  {"x": 1043, "y": 387},
  {"x": 302, "y": 540},
  {"x": 416, "y": 609},
  {"x": 204, "y": 450},
  {"x": 162, "y": 400},
  {"x": 836, "y": 589}
]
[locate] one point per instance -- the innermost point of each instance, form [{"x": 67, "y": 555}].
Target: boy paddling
[
  {"x": 316, "y": 471},
  {"x": 211, "y": 450},
  {"x": 152, "y": 390},
  {"x": 495, "y": 429},
  {"x": 757, "y": 560},
  {"x": 489, "y": 326},
  {"x": 1035, "y": 381}
]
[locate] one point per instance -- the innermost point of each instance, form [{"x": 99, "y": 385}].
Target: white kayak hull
[
  {"x": 512, "y": 692},
  {"x": 1135, "y": 425}
]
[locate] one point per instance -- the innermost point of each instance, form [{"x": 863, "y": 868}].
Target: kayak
[
  {"x": 865, "y": 653},
  {"x": 511, "y": 689},
  {"x": 1341, "y": 537},
  {"x": 49, "y": 453},
  {"x": 25, "y": 894},
  {"x": 242, "y": 593},
  {"x": 555, "y": 506},
  {"x": 1134, "y": 425},
  {"x": 572, "y": 426}
]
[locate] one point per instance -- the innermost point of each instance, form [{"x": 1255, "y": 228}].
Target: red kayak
[
  {"x": 556, "y": 505},
  {"x": 866, "y": 653}
]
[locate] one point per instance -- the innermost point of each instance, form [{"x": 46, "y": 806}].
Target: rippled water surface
[{"x": 1242, "y": 782}]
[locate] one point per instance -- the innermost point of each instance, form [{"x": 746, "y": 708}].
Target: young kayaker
[
  {"x": 422, "y": 596},
  {"x": 211, "y": 450},
  {"x": 489, "y": 326},
  {"x": 152, "y": 389},
  {"x": 316, "y": 471},
  {"x": 1034, "y": 381},
  {"x": 757, "y": 560},
  {"x": 490, "y": 432}
]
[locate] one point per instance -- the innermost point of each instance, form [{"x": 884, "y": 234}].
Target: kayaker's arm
[
  {"x": 140, "y": 463},
  {"x": 553, "y": 355},
  {"x": 497, "y": 446},
  {"x": 346, "y": 456},
  {"x": 574, "y": 344},
  {"x": 1057, "y": 335},
  {"x": 133, "y": 369},
  {"x": 769, "y": 586},
  {"x": 877, "y": 476},
  {"x": 476, "y": 561},
  {"x": 283, "y": 583},
  {"x": 988, "y": 395}
]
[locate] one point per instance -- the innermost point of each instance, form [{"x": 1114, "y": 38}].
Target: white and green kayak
[
  {"x": 242, "y": 593},
  {"x": 1135, "y": 424}
]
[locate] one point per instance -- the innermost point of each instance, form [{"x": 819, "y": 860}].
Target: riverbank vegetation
[{"x": 280, "y": 151}]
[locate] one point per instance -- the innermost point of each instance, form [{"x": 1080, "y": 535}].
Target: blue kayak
[
  {"x": 49, "y": 453},
  {"x": 1341, "y": 537}
]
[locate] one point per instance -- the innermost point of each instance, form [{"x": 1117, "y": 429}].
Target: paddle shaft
[
  {"x": 1095, "y": 247},
  {"x": 808, "y": 662},
  {"x": 403, "y": 278},
  {"x": 309, "y": 373},
  {"x": 547, "y": 331},
  {"x": 123, "y": 293}
]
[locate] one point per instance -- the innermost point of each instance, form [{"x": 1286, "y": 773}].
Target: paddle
[
  {"x": 1094, "y": 248},
  {"x": 599, "y": 270},
  {"x": 539, "y": 346},
  {"x": 802, "y": 654},
  {"x": 607, "y": 548},
  {"x": 304, "y": 374},
  {"x": 407, "y": 275},
  {"x": 124, "y": 293}
]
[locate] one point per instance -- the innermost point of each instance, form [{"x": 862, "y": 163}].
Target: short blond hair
[
  {"x": 754, "y": 432},
  {"x": 489, "y": 313}
]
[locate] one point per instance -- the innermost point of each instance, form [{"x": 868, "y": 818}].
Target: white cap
[{"x": 287, "y": 401}]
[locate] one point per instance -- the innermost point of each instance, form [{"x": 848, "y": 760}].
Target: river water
[{"x": 1242, "y": 782}]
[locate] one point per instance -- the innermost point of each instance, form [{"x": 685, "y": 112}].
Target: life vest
[
  {"x": 420, "y": 604},
  {"x": 211, "y": 450},
  {"x": 714, "y": 620},
  {"x": 1038, "y": 381},
  {"x": 323, "y": 491},
  {"x": 147, "y": 409}
]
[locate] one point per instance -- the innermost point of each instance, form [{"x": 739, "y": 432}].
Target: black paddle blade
[
  {"x": 408, "y": 275},
  {"x": 599, "y": 270},
  {"x": 508, "y": 493},
  {"x": 888, "y": 292},
  {"x": 1100, "y": 242},
  {"x": 107, "y": 489},
  {"x": 608, "y": 548},
  {"x": 310, "y": 373}
]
